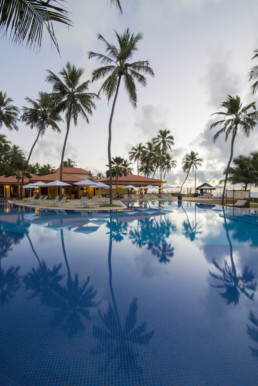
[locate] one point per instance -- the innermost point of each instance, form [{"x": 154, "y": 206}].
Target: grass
[{"x": 253, "y": 204}]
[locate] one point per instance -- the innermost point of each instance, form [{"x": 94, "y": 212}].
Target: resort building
[{"x": 9, "y": 185}]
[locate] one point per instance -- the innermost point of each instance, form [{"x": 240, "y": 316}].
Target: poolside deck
[{"x": 74, "y": 204}]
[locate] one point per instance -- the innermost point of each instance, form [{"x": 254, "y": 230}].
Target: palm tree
[
  {"x": 254, "y": 73},
  {"x": 24, "y": 20},
  {"x": 168, "y": 163},
  {"x": 120, "y": 167},
  {"x": 69, "y": 163},
  {"x": 135, "y": 154},
  {"x": 191, "y": 162},
  {"x": 245, "y": 170},
  {"x": 8, "y": 112},
  {"x": 70, "y": 96},
  {"x": 117, "y": 67},
  {"x": 40, "y": 115},
  {"x": 149, "y": 161},
  {"x": 164, "y": 141},
  {"x": 236, "y": 117}
]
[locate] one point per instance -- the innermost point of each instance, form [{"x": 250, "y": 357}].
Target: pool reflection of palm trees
[
  {"x": 153, "y": 233},
  {"x": 9, "y": 278},
  {"x": 72, "y": 302},
  {"x": 252, "y": 331},
  {"x": 119, "y": 340},
  {"x": 191, "y": 229},
  {"x": 233, "y": 283}
]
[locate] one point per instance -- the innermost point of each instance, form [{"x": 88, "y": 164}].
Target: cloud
[
  {"x": 150, "y": 119},
  {"x": 220, "y": 81}
]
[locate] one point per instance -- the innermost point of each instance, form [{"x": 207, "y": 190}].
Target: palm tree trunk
[
  {"x": 229, "y": 162},
  {"x": 109, "y": 140},
  {"x": 184, "y": 181},
  {"x": 28, "y": 159},
  {"x": 64, "y": 146},
  {"x": 194, "y": 180}
]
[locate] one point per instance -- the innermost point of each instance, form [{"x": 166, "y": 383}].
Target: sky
[{"x": 200, "y": 51}]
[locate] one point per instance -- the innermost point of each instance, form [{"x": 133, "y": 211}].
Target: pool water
[{"x": 159, "y": 294}]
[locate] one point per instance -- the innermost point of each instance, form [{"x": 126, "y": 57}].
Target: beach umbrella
[
  {"x": 87, "y": 182},
  {"x": 101, "y": 185},
  {"x": 166, "y": 187},
  {"x": 57, "y": 183},
  {"x": 151, "y": 187},
  {"x": 129, "y": 187}
]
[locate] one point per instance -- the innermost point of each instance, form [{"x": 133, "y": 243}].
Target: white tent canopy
[
  {"x": 130, "y": 187},
  {"x": 166, "y": 187},
  {"x": 101, "y": 185}
]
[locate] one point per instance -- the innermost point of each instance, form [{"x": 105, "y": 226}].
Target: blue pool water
[{"x": 155, "y": 295}]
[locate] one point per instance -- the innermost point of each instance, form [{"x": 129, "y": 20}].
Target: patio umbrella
[
  {"x": 130, "y": 187},
  {"x": 151, "y": 187},
  {"x": 87, "y": 182},
  {"x": 101, "y": 185},
  {"x": 57, "y": 183},
  {"x": 166, "y": 187}
]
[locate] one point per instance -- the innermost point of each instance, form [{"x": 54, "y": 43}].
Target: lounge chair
[
  {"x": 240, "y": 204},
  {"x": 82, "y": 202},
  {"x": 59, "y": 203},
  {"x": 53, "y": 202},
  {"x": 42, "y": 201},
  {"x": 26, "y": 199}
]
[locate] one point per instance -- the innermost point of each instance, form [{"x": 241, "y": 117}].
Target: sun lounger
[
  {"x": 42, "y": 201},
  {"x": 240, "y": 204},
  {"x": 26, "y": 199},
  {"x": 59, "y": 203}
]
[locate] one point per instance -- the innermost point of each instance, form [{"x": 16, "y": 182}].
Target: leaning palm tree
[
  {"x": 235, "y": 117},
  {"x": 164, "y": 141},
  {"x": 8, "y": 112},
  {"x": 71, "y": 97},
  {"x": 117, "y": 67},
  {"x": 191, "y": 162},
  {"x": 40, "y": 116},
  {"x": 25, "y": 20},
  {"x": 135, "y": 154}
]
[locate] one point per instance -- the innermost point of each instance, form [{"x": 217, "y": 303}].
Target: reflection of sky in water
[{"x": 159, "y": 298}]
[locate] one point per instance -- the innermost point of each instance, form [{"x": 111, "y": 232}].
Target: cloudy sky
[{"x": 200, "y": 51}]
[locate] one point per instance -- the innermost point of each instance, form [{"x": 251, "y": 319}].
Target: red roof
[
  {"x": 56, "y": 176},
  {"x": 13, "y": 179},
  {"x": 72, "y": 171},
  {"x": 131, "y": 178}
]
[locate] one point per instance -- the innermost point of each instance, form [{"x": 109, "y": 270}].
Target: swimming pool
[{"x": 159, "y": 294}]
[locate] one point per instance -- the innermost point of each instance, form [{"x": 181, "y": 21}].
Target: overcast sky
[{"x": 200, "y": 51}]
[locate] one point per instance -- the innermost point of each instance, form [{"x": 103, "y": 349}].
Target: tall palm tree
[
  {"x": 235, "y": 117},
  {"x": 8, "y": 112},
  {"x": 164, "y": 141},
  {"x": 41, "y": 115},
  {"x": 191, "y": 162},
  {"x": 135, "y": 154},
  {"x": 120, "y": 167},
  {"x": 254, "y": 73},
  {"x": 117, "y": 67},
  {"x": 24, "y": 20},
  {"x": 71, "y": 97}
]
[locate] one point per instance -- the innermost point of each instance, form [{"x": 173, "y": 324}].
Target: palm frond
[
  {"x": 101, "y": 72},
  {"x": 131, "y": 89},
  {"x": 24, "y": 20}
]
